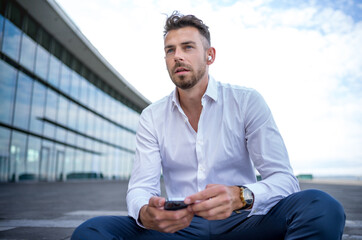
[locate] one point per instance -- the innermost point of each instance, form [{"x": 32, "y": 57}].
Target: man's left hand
[{"x": 216, "y": 202}]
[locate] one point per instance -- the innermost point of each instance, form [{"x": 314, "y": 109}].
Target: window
[
  {"x": 27, "y": 55},
  {"x": 7, "y": 90},
  {"x": 37, "y": 108},
  {"x": 4, "y": 153},
  {"x": 41, "y": 62},
  {"x": 51, "y": 105},
  {"x": 11, "y": 42},
  {"x": 62, "y": 115},
  {"x": 54, "y": 68},
  {"x": 17, "y": 156},
  {"x": 65, "y": 79},
  {"x": 33, "y": 157},
  {"x": 22, "y": 102}
]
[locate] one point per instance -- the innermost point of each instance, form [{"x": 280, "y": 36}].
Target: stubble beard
[{"x": 186, "y": 82}]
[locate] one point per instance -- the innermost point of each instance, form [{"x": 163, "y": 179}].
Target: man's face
[{"x": 185, "y": 56}]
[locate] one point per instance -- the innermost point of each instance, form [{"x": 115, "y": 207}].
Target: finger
[
  {"x": 200, "y": 196},
  {"x": 156, "y": 202},
  {"x": 215, "y": 213}
]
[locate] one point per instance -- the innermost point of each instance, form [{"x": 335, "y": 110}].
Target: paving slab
[{"x": 51, "y": 211}]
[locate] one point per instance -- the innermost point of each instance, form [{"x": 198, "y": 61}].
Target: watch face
[{"x": 248, "y": 196}]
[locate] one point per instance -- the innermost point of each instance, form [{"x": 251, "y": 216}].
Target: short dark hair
[{"x": 177, "y": 21}]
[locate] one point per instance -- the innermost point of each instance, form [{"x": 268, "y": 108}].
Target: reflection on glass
[
  {"x": 1, "y": 27},
  {"x": 37, "y": 108},
  {"x": 65, "y": 79},
  {"x": 69, "y": 161},
  {"x": 59, "y": 162},
  {"x": 46, "y": 164},
  {"x": 41, "y": 63},
  {"x": 51, "y": 105},
  {"x": 4, "y": 153},
  {"x": 92, "y": 96},
  {"x": 60, "y": 134},
  {"x": 33, "y": 157},
  {"x": 71, "y": 138},
  {"x": 73, "y": 116},
  {"x": 49, "y": 130},
  {"x": 27, "y": 52},
  {"x": 74, "y": 91},
  {"x": 22, "y": 102},
  {"x": 82, "y": 120},
  {"x": 17, "y": 156},
  {"x": 62, "y": 115},
  {"x": 11, "y": 42},
  {"x": 7, "y": 90},
  {"x": 54, "y": 69},
  {"x": 84, "y": 91}
]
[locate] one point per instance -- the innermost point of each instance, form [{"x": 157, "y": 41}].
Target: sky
[{"x": 303, "y": 56}]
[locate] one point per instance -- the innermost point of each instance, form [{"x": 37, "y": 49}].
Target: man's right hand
[{"x": 153, "y": 216}]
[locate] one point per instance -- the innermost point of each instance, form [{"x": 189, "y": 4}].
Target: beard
[{"x": 186, "y": 81}]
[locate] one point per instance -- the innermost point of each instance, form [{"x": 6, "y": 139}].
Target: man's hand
[
  {"x": 215, "y": 202},
  {"x": 153, "y": 216}
]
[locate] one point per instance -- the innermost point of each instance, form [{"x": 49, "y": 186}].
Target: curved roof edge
[{"x": 54, "y": 20}]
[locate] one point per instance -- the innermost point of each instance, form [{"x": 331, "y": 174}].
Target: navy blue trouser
[{"x": 309, "y": 214}]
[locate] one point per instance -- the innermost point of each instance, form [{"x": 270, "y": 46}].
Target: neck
[{"x": 190, "y": 101}]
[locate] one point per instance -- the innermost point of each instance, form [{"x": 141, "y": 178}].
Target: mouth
[{"x": 181, "y": 70}]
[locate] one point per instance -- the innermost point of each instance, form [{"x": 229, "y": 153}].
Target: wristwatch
[{"x": 246, "y": 197}]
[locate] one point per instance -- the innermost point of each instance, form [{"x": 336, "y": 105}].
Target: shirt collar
[{"x": 211, "y": 92}]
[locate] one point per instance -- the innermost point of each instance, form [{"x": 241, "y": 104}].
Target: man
[{"x": 207, "y": 137}]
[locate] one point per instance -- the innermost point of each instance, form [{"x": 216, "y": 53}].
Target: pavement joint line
[
  {"x": 56, "y": 223},
  {"x": 97, "y": 213}
]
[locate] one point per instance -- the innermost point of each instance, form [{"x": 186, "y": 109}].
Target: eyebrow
[{"x": 183, "y": 43}]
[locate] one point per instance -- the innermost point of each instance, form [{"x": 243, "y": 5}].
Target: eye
[
  {"x": 169, "y": 51},
  {"x": 188, "y": 47}
]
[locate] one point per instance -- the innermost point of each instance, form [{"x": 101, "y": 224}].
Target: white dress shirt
[{"x": 236, "y": 134}]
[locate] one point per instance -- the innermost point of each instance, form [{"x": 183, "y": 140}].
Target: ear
[{"x": 211, "y": 54}]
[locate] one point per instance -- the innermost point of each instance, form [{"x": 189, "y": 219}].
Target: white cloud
[{"x": 305, "y": 60}]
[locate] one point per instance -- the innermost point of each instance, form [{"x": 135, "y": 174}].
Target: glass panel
[
  {"x": 1, "y": 28},
  {"x": 37, "y": 108},
  {"x": 11, "y": 42},
  {"x": 74, "y": 91},
  {"x": 4, "y": 153},
  {"x": 59, "y": 162},
  {"x": 33, "y": 158},
  {"x": 65, "y": 79},
  {"x": 69, "y": 161},
  {"x": 49, "y": 130},
  {"x": 82, "y": 120},
  {"x": 71, "y": 138},
  {"x": 73, "y": 116},
  {"x": 27, "y": 53},
  {"x": 7, "y": 90},
  {"x": 90, "y": 124},
  {"x": 54, "y": 69},
  {"x": 22, "y": 103},
  {"x": 92, "y": 96},
  {"x": 60, "y": 134},
  {"x": 62, "y": 115},
  {"x": 83, "y": 91},
  {"x": 17, "y": 156},
  {"x": 46, "y": 163},
  {"x": 51, "y": 105},
  {"x": 41, "y": 63}
]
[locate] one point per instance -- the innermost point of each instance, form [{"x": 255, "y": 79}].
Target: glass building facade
[{"x": 58, "y": 119}]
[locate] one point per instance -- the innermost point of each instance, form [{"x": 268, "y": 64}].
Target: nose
[{"x": 178, "y": 55}]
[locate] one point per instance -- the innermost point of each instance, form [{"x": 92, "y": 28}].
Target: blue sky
[{"x": 304, "y": 57}]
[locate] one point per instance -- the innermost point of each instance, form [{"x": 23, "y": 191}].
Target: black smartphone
[{"x": 173, "y": 204}]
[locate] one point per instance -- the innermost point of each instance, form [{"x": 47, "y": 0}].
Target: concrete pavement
[{"x": 51, "y": 211}]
